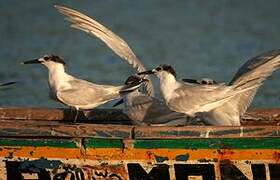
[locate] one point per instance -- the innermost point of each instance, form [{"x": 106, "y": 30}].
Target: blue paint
[
  {"x": 37, "y": 165},
  {"x": 160, "y": 158},
  {"x": 182, "y": 157}
]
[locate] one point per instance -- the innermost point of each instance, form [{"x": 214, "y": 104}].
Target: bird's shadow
[{"x": 97, "y": 116}]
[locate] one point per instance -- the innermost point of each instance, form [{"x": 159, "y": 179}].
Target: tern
[
  {"x": 77, "y": 93},
  {"x": 148, "y": 110},
  {"x": 218, "y": 103},
  {"x": 141, "y": 107}
]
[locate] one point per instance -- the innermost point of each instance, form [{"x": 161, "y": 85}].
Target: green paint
[
  {"x": 89, "y": 143},
  {"x": 225, "y": 143},
  {"x": 103, "y": 143},
  {"x": 38, "y": 142},
  {"x": 211, "y": 143}
]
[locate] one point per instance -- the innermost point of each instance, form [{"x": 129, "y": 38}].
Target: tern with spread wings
[{"x": 218, "y": 104}]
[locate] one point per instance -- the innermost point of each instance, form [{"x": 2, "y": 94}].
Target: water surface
[{"x": 199, "y": 38}]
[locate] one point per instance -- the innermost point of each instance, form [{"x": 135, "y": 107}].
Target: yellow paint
[{"x": 138, "y": 154}]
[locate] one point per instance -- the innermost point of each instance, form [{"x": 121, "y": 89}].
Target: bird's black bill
[
  {"x": 118, "y": 103},
  {"x": 132, "y": 83},
  {"x": 8, "y": 83},
  {"x": 146, "y": 72},
  {"x": 33, "y": 61}
]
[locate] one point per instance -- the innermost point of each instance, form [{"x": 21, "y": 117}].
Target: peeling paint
[
  {"x": 205, "y": 160},
  {"x": 37, "y": 165},
  {"x": 31, "y": 153},
  {"x": 161, "y": 158},
  {"x": 102, "y": 134},
  {"x": 276, "y": 156},
  {"x": 121, "y": 133},
  {"x": 182, "y": 157},
  {"x": 10, "y": 155}
]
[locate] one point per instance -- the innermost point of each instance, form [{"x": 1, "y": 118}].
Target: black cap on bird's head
[
  {"x": 131, "y": 84},
  {"x": 162, "y": 67},
  {"x": 45, "y": 59},
  {"x": 134, "y": 80}
]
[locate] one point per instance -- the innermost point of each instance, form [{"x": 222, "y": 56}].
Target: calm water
[{"x": 199, "y": 38}]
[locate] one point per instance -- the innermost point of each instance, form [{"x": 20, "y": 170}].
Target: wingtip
[
  {"x": 58, "y": 6},
  {"x": 8, "y": 83},
  {"x": 121, "y": 101}
]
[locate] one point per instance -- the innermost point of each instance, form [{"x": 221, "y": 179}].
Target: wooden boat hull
[{"x": 36, "y": 148}]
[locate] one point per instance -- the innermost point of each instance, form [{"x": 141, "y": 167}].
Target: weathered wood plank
[
  {"x": 108, "y": 116},
  {"x": 44, "y": 122},
  {"x": 206, "y": 132},
  {"x": 262, "y": 116},
  {"x": 12, "y": 128},
  {"x": 8, "y": 128}
]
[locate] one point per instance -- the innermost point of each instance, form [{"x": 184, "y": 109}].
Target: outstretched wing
[
  {"x": 254, "y": 72},
  {"x": 258, "y": 68},
  {"x": 117, "y": 44}
]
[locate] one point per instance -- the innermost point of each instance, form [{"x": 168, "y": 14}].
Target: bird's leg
[
  {"x": 71, "y": 112},
  {"x": 76, "y": 115}
]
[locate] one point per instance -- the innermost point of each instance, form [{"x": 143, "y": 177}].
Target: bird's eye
[
  {"x": 204, "y": 82},
  {"x": 159, "y": 68},
  {"x": 46, "y": 58}
]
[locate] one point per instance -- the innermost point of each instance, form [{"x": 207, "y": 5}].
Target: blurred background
[{"x": 199, "y": 38}]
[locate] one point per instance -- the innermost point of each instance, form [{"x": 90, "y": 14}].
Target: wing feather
[
  {"x": 87, "y": 95},
  {"x": 192, "y": 98},
  {"x": 254, "y": 72},
  {"x": 113, "y": 41}
]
